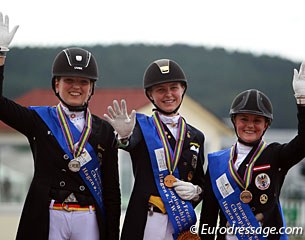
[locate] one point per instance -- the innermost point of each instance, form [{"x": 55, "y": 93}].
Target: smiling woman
[
  {"x": 167, "y": 96},
  {"x": 74, "y": 73},
  {"x": 249, "y": 127},
  {"x": 249, "y": 175},
  {"x": 251, "y": 114},
  {"x": 74, "y": 91},
  {"x": 69, "y": 145},
  {"x": 168, "y": 155}
]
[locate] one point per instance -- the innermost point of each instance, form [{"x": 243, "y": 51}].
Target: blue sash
[
  {"x": 181, "y": 213},
  {"x": 91, "y": 171},
  {"x": 227, "y": 192}
]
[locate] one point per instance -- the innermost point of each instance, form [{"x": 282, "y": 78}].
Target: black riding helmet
[
  {"x": 252, "y": 101},
  {"x": 163, "y": 71},
  {"x": 74, "y": 62}
]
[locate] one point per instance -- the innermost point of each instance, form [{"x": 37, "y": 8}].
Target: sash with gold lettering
[
  {"x": 181, "y": 213},
  {"x": 90, "y": 170},
  {"x": 226, "y": 189},
  {"x": 227, "y": 192}
]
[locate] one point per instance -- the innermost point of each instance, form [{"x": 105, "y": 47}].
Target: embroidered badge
[
  {"x": 263, "y": 199},
  {"x": 194, "y": 161},
  {"x": 262, "y": 181},
  {"x": 194, "y": 148}
]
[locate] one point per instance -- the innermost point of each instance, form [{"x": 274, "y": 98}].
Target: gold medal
[
  {"x": 245, "y": 196},
  {"x": 169, "y": 180}
]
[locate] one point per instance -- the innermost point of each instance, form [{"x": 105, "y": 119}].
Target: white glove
[
  {"x": 5, "y": 36},
  {"x": 119, "y": 119},
  {"x": 187, "y": 190},
  {"x": 298, "y": 84}
]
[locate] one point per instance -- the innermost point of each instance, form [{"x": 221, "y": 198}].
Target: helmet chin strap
[
  {"x": 164, "y": 112},
  {"x": 73, "y": 108},
  {"x": 250, "y": 144}
]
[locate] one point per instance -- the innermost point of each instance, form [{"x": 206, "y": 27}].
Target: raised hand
[
  {"x": 298, "y": 84},
  {"x": 6, "y": 36},
  {"x": 119, "y": 119}
]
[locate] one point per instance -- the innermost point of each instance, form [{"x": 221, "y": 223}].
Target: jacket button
[
  {"x": 62, "y": 184},
  {"x": 66, "y": 156},
  {"x": 82, "y": 188}
]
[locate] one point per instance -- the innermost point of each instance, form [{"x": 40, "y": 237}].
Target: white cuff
[
  {"x": 300, "y": 100},
  {"x": 4, "y": 49}
]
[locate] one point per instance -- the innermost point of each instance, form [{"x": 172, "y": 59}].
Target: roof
[{"x": 101, "y": 99}]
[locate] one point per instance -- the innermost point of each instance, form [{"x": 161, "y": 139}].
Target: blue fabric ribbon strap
[
  {"x": 239, "y": 215},
  {"x": 90, "y": 172},
  {"x": 181, "y": 213}
]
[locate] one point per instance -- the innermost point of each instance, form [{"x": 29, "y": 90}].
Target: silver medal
[{"x": 74, "y": 165}]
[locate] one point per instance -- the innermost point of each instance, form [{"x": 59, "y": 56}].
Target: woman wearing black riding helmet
[
  {"x": 167, "y": 157},
  {"x": 75, "y": 190},
  {"x": 243, "y": 183}
]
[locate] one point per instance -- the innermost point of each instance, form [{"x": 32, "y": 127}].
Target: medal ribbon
[
  {"x": 180, "y": 212},
  {"x": 172, "y": 158},
  {"x": 244, "y": 183},
  {"x": 77, "y": 151},
  {"x": 238, "y": 214}
]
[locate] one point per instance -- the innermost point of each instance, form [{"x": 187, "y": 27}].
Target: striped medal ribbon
[
  {"x": 78, "y": 148},
  {"x": 171, "y": 157},
  {"x": 245, "y": 195}
]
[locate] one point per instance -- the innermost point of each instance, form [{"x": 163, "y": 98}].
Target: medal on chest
[
  {"x": 245, "y": 196},
  {"x": 81, "y": 156},
  {"x": 169, "y": 180},
  {"x": 244, "y": 181},
  {"x": 171, "y": 157}
]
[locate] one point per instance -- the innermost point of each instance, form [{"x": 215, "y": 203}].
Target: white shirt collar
[
  {"x": 171, "y": 120},
  {"x": 77, "y": 118},
  {"x": 242, "y": 152}
]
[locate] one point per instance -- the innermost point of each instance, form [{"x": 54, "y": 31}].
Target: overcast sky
[{"x": 274, "y": 27}]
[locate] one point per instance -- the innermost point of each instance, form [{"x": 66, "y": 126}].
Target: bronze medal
[
  {"x": 169, "y": 180},
  {"x": 187, "y": 235},
  {"x": 245, "y": 196},
  {"x": 74, "y": 165}
]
